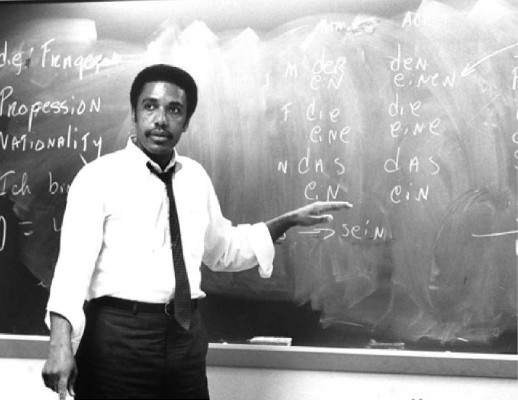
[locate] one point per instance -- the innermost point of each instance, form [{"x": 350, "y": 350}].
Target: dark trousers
[{"x": 136, "y": 355}]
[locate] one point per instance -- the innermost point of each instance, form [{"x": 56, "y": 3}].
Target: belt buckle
[{"x": 166, "y": 309}]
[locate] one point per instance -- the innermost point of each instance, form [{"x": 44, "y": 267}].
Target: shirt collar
[{"x": 141, "y": 157}]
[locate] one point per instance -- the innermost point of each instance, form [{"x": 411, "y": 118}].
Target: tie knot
[{"x": 163, "y": 176}]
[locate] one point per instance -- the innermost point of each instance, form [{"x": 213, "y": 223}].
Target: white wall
[
  {"x": 21, "y": 379},
  {"x": 256, "y": 384}
]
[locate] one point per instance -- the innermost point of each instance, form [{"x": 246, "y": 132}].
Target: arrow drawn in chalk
[
  {"x": 469, "y": 69},
  {"x": 84, "y": 160},
  {"x": 330, "y": 232},
  {"x": 495, "y": 234}
]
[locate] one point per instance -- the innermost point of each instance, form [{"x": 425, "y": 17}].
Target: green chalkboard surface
[{"x": 409, "y": 112}]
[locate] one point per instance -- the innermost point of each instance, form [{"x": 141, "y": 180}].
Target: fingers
[
  {"x": 319, "y": 209},
  {"x": 59, "y": 384},
  {"x": 71, "y": 382},
  {"x": 318, "y": 212},
  {"x": 49, "y": 381},
  {"x": 325, "y": 218},
  {"x": 334, "y": 205},
  {"x": 62, "y": 389}
]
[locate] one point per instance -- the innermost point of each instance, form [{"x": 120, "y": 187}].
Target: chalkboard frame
[{"x": 401, "y": 362}]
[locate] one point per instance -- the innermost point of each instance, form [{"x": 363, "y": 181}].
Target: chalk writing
[
  {"x": 352, "y": 232},
  {"x": 328, "y": 233},
  {"x": 21, "y": 188},
  {"x": 495, "y": 234},
  {"x": 27, "y": 228},
  {"x": 326, "y": 128},
  {"x": 412, "y": 71},
  {"x": 307, "y": 164},
  {"x": 3, "y": 232},
  {"x": 73, "y": 139},
  {"x": 55, "y": 225},
  {"x": 400, "y": 63},
  {"x": 15, "y": 59},
  {"x": 392, "y": 165},
  {"x": 47, "y": 58},
  {"x": 57, "y": 60},
  {"x": 364, "y": 231},
  {"x": 406, "y": 122},
  {"x": 413, "y": 20},
  {"x": 313, "y": 191},
  {"x": 56, "y": 187},
  {"x": 71, "y": 106},
  {"x": 470, "y": 68},
  {"x": 360, "y": 25},
  {"x": 327, "y": 73},
  {"x": 398, "y": 194}
]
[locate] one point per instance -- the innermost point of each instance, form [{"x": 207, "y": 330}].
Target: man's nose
[{"x": 160, "y": 117}]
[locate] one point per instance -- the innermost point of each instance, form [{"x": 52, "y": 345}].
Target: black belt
[{"x": 138, "y": 306}]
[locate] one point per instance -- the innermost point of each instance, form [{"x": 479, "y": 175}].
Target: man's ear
[{"x": 186, "y": 126}]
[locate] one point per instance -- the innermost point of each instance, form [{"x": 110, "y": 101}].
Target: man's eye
[
  {"x": 174, "y": 110},
  {"x": 149, "y": 106}
]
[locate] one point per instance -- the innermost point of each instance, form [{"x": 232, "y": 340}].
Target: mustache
[{"x": 159, "y": 132}]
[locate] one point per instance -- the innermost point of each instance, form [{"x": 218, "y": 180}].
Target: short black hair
[{"x": 166, "y": 73}]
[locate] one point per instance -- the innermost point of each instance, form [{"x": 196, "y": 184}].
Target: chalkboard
[{"x": 410, "y": 113}]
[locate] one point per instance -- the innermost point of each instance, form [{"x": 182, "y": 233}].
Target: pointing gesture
[
  {"x": 312, "y": 214},
  {"x": 319, "y": 212}
]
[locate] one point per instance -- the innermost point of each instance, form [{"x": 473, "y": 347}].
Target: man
[{"x": 118, "y": 231}]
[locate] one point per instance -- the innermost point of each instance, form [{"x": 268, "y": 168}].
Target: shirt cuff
[
  {"x": 262, "y": 245},
  {"x": 76, "y": 319}
]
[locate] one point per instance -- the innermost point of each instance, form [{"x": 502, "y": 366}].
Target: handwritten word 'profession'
[
  {"x": 12, "y": 108},
  {"x": 47, "y": 58}
]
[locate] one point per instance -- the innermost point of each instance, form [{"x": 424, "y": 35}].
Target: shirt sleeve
[
  {"x": 236, "y": 248},
  {"x": 80, "y": 243}
]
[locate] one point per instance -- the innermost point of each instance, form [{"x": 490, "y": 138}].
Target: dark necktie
[{"x": 182, "y": 294}]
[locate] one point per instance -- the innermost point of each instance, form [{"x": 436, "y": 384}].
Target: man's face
[{"x": 160, "y": 119}]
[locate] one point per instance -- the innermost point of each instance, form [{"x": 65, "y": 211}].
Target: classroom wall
[{"x": 21, "y": 380}]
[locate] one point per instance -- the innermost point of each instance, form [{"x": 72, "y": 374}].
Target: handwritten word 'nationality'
[{"x": 71, "y": 139}]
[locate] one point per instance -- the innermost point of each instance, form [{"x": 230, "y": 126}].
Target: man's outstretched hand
[
  {"x": 315, "y": 213},
  {"x": 318, "y": 212}
]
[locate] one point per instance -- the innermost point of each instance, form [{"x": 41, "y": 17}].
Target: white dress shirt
[{"x": 115, "y": 237}]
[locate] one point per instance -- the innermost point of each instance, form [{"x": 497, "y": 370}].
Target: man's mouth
[{"x": 159, "y": 134}]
